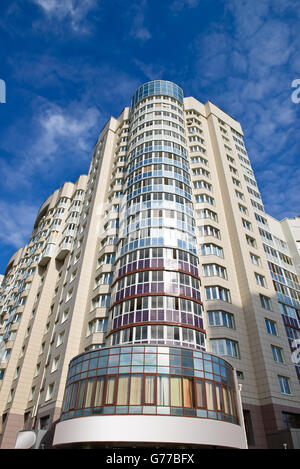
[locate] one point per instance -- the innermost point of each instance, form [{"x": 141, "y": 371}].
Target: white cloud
[
  {"x": 60, "y": 127},
  {"x": 138, "y": 29},
  {"x": 53, "y": 139},
  {"x": 250, "y": 67},
  {"x": 74, "y": 11},
  {"x": 152, "y": 71},
  {"x": 178, "y": 5},
  {"x": 17, "y": 222},
  {"x": 56, "y": 139}
]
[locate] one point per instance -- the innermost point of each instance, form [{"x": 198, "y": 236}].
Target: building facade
[{"x": 156, "y": 303}]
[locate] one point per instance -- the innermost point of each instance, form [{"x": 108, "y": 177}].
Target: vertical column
[{"x": 156, "y": 291}]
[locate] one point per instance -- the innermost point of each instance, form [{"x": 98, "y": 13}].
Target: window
[
  {"x": 208, "y": 230},
  {"x": 251, "y": 241},
  {"x": 55, "y": 364},
  {"x": 255, "y": 259},
  {"x": 265, "y": 302},
  {"x": 289, "y": 310},
  {"x": 260, "y": 279},
  {"x": 50, "y": 391},
  {"x": 65, "y": 315},
  {"x": 206, "y": 213},
  {"x": 220, "y": 318},
  {"x": 271, "y": 326},
  {"x": 10, "y": 396},
  {"x": 104, "y": 279},
  {"x": 225, "y": 347},
  {"x": 6, "y": 354},
  {"x": 211, "y": 270},
  {"x": 243, "y": 209},
  {"x": 218, "y": 293},
  {"x": 107, "y": 259},
  {"x": 246, "y": 224},
  {"x": 291, "y": 420},
  {"x": 292, "y": 333},
  {"x": 236, "y": 182},
  {"x": 98, "y": 325},
  {"x": 101, "y": 301},
  {"x": 73, "y": 275},
  {"x": 277, "y": 354},
  {"x": 240, "y": 195},
  {"x": 69, "y": 294},
  {"x": 284, "y": 384},
  {"x": 60, "y": 338},
  {"x": 37, "y": 369},
  {"x": 211, "y": 249},
  {"x": 44, "y": 422},
  {"x": 202, "y": 198},
  {"x": 31, "y": 393}
]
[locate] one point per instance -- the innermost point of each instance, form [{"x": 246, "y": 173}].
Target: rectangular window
[
  {"x": 243, "y": 209},
  {"x": 211, "y": 249},
  {"x": 211, "y": 270},
  {"x": 89, "y": 393},
  {"x": 220, "y": 318},
  {"x": 260, "y": 279},
  {"x": 188, "y": 392},
  {"x": 176, "y": 391},
  {"x": 210, "y": 395},
  {"x": 246, "y": 224},
  {"x": 136, "y": 390},
  {"x": 265, "y": 302},
  {"x": 271, "y": 327},
  {"x": 99, "y": 391},
  {"x": 277, "y": 354},
  {"x": 149, "y": 397},
  {"x": 225, "y": 347},
  {"x": 50, "y": 391},
  {"x": 163, "y": 390},
  {"x": 218, "y": 293},
  {"x": 123, "y": 387},
  {"x": 255, "y": 259},
  {"x": 200, "y": 393},
  {"x": 284, "y": 384},
  {"x": 110, "y": 390},
  {"x": 240, "y": 195},
  {"x": 251, "y": 241}
]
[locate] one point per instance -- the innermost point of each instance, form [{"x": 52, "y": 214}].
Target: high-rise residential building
[{"x": 156, "y": 303}]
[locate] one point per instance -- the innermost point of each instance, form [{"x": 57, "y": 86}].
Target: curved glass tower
[
  {"x": 157, "y": 288},
  {"x": 153, "y": 383}
]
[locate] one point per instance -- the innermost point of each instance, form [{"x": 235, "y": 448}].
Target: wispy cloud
[
  {"x": 79, "y": 78},
  {"x": 137, "y": 13},
  {"x": 73, "y": 11},
  {"x": 179, "y": 5},
  {"x": 17, "y": 222},
  {"x": 248, "y": 68},
  {"x": 59, "y": 135},
  {"x": 52, "y": 140},
  {"x": 152, "y": 71}
]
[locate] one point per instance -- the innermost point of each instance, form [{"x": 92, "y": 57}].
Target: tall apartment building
[{"x": 156, "y": 303}]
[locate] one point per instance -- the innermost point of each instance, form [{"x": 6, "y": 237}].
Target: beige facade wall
[{"x": 61, "y": 318}]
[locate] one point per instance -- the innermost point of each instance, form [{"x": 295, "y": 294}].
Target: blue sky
[{"x": 70, "y": 64}]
